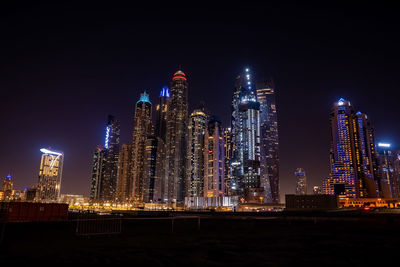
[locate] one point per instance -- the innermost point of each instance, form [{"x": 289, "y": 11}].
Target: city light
[
  {"x": 46, "y": 151},
  {"x": 383, "y": 145}
]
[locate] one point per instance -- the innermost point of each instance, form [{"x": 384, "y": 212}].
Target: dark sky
[{"x": 65, "y": 67}]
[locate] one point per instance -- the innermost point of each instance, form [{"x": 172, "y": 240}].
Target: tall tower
[
  {"x": 50, "y": 173},
  {"x": 125, "y": 185},
  {"x": 269, "y": 146},
  {"x": 197, "y": 143},
  {"x": 389, "y": 177},
  {"x": 109, "y": 168},
  {"x": 352, "y": 154},
  {"x": 176, "y": 141},
  {"x": 228, "y": 157},
  {"x": 214, "y": 178},
  {"x": 301, "y": 188},
  {"x": 97, "y": 165},
  {"x": 246, "y": 139},
  {"x": 160, "y": 185},
  {"x": 143, "y": 128}
]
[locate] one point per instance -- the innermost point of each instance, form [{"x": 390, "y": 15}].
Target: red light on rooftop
[{"x": 179, "y": 75}]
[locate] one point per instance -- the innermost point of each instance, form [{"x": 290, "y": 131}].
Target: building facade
[
  {"x": 143, "y": 128},
  {"x": 50, "y": 174},
  {"x": 176, "y": 138},
  {"x": 301, "y": 178},
  {"x": 269, "y": 146},
  {"x": 214, "y": 167},
  {"x": 352, "y": 154},
  {"x": 196, "y": 153}
]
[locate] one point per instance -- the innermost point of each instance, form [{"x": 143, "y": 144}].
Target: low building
[{"x": 311, "y": 202}]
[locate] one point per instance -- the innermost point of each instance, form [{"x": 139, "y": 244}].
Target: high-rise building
[
  {"x": 143, "y": 128},
  {"x": 176, "y": 141},
  {"x": 228, "y": 156},
  {"x": 160, "y": 182},
  {"x": 396, "y": 177},
  {"x": 245, "y": 127},
  {"x": 97, "y": 163},
  {"x": 7, "y": 188},
  {"x": 352, "y": 154},
  {"x": 109, "y": 174},
  {"x": 197, "y": 145},
  {"x": 269, "y": 142},
  {"x": 214, "y": 167},
  {"x": 301, "y": 178},
  {"x": 105, "y": 165},
  {"x": 50, "y": 173},
  {"x": 125, "y": 184},
  {"x": 389, "y": 178}
]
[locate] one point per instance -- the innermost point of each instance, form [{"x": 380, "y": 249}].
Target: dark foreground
[{"x": 290, "y": 239}]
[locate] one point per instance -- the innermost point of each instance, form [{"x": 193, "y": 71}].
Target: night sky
[{"x": 65, "y": 67}]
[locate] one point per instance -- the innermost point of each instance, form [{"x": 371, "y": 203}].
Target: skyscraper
[
  {"x": 105, "y": 165},
  {"x": 143, "y": 128},
  {"x": 97, "y": 165},
  {"x": 109, "y": 176},
  {"x": 176, "y": 141},
  {"x": 227, "y": 159},
  {"x": 197, "y": 143},
  {"x": 269, "y": 145},
  {"x": 214, "y": 177},
  {"x": 125, "y": 184},
  {"x": 352, "y": 154},
  {"x": 245, "y": 127},
  {"x": 389, "y": 178},
  {"x": 301, "y": 178},
  {"x": 160, "y": 182},
  {"x": 50, "y": 173}
]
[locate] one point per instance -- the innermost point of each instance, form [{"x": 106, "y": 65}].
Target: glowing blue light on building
[
  {"x": 383, "y": 145},
  {"x": 164, "y": 91},
  {"x": 107, "y": 136},
  {"x": 47, "y": 151}
]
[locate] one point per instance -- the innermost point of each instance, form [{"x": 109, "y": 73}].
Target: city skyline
[{"x": 310, "y": 74}]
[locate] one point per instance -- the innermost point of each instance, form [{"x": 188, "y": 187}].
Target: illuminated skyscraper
[
  {"x": 245, "y": 127},
  {"x": 269, "y": 146},
  {"x": 353, "y": 158},
  {"x": 301, "y": 188},
  {"x": 389, "y": 176},
  {"x": 143, "y": 128},
  {"x": 7, "y": 188},
  {"x": 197, "y": 145},
  {"x": 160, "y": 185},
  {"x": 214, "y": 178},
  {"x": 97, "y": 163},
  {"x": 125, "y": 185},
  {"x": 176, "y": 141},
  {"x": 109, "y": 168},
  {"x": 227, "y": 159},
  {"x": 50, "y": 173}
]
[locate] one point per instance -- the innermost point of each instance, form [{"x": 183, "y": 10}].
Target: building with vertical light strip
[
  {"x": 246, "y": 136},
  {"x": 143, "y": 128},
  {"x": 269, "y": 141},
  {"x": 176, "y": 138},
  {"x": 196, "y": 153},
  {"x": 109, "y": 168},
  {"x": 214, "y": 171},
  {"x": 50, "y": 174}
]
